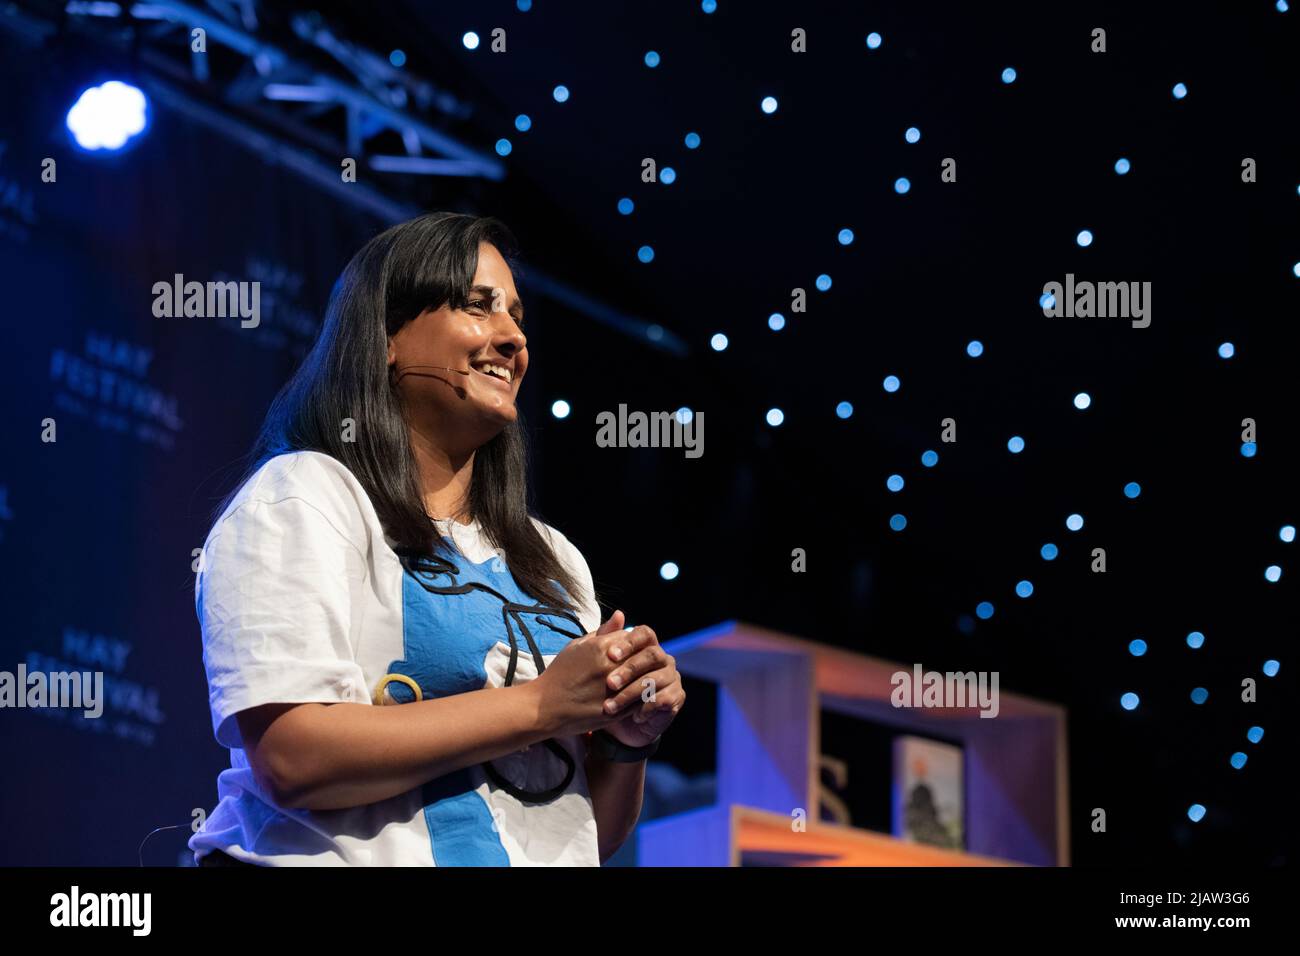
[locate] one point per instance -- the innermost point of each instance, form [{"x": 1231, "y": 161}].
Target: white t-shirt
[{"x": 302, "y": 600}]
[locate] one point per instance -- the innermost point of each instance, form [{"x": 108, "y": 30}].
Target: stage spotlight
[
  {"x": 974, "y": 348},
  {"x": 1238, "y": 760},
  {"x": 668, "y": 571},
  {"x": 1195, "y": 813},
  {"x": 1226, "y": 350},
  {"x": 901, "y": 185},
  {"x": 625, "y": 206},
  {"x": 1195, "y": 640},
  {"x": 1248, "y": 449},
  {"x": 1015, "y": 444},
  {"x": 891, "y": 383},
  {"x": 913, "y": 135},
  {"x": 845, "y": 237},
  {"x": 652, "y": 59},
  {"x": 708, "y": 6},
  {"x": 1180, "y": 90},
  {"x": 823, "y": 283},
  {"x": 668, "y": 175},
  {"x": 1271, "y": 668},
  {"x": 523, "y": 122},
  {"x": 768, "y": 104},
  {"x": 1287, "y": 533},
  {"x": 775, "y": 417},
  {"x": 524, "y": 5},
  {"x": 470, "y": 39},
  {"x": 874, "y": 40},
  {"x": 1273, "y": 573},
  {"x": 1024, "y": 589},
  {"x": 503, "y": 147},
  {"x": 397, "y": 58},
  {"x": 897, "y": 522},
  {"x": 844, "y": 410},
  {"x": 560, "y": 408},
  {"x": 1084, "y": 238},
  {"x": 718, "y": 343},
  {"x": 692, "y": 140},
  {"x": 561, "y": 94},
  {"x": 1200, "y": 695},
  {"x": 1009, "y": 75},
  {"x": 894, "y": 483},
  {"x": 1122, "y": 166},
  {"x": 929, "y": 458},
  {"x": 1049, "y": 551},
  {"x": 1255, "y": 734},
  {"x": 1047, "y": 302},
  {"x": 1137, "y": 647},
  {"x": 776, "y": 321},
  {"x": 106, "y": 116},
  {"x": 1074, "y": 522},
  {"x": 1082, "y": 400},
  {"x": 645, "y": 254},
  {"x": 1129, "y": 701},
  {"x": 984, "y": 610},
  {"x": 1132, "y": 490}
]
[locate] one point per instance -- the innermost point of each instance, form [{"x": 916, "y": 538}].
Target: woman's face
[{"x": 485, "y": 338}]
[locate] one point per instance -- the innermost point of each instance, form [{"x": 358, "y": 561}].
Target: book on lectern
[{"x": 928, "y": 800}]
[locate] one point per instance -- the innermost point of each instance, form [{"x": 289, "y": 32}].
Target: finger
[
  {"x": 649, "y": 658},
  {"x": 627, "y": 643},
  {"x": 652, "y": 684},
  {"x": 612, "y": 625},
  {"x": 665, "y": 705}
]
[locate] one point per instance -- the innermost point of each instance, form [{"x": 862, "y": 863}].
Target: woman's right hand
[{"x": 572, "y": 690}]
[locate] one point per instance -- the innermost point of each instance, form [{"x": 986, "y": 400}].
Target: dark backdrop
[{"x": 153, "y": 415}]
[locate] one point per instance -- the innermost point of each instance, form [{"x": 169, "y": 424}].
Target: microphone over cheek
[
  {"x": 399, "y": 372},
  {"x": 443, "y": 368}
]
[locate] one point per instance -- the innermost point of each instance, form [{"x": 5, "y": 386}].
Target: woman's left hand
[{"x": 647, "y": 690}]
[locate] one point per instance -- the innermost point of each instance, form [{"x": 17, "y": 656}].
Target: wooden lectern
[{"x": 771, "y": 690}]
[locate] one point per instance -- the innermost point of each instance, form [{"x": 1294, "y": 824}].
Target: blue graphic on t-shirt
[{"x": 454, "y": 615}]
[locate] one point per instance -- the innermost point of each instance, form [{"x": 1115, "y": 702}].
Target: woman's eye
[{"x": 485, "y": 306}]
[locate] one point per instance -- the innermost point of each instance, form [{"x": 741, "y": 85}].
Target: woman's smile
[{"x": 498, "y": 374}]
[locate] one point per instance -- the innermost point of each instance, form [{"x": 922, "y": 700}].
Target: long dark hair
[{"x": 421, "y": 264}]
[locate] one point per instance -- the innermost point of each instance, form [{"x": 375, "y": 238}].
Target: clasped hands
[{"x": 642, "y": 685}]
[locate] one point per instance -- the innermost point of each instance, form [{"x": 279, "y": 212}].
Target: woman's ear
[{"x": 392, "y": 352}]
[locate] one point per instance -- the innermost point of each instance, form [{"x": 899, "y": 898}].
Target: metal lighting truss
[{"x": 306, "y": 109}]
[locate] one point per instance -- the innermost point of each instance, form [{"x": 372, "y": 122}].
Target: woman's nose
[{"x": 509, "y": 336}]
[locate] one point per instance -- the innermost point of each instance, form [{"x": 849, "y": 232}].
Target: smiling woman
[{"x": 381, "y": 552}]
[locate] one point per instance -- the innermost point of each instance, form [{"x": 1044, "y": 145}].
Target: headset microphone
[
  {"x": 406, "y": 368},
  {"x": 410, "y": 370}
]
